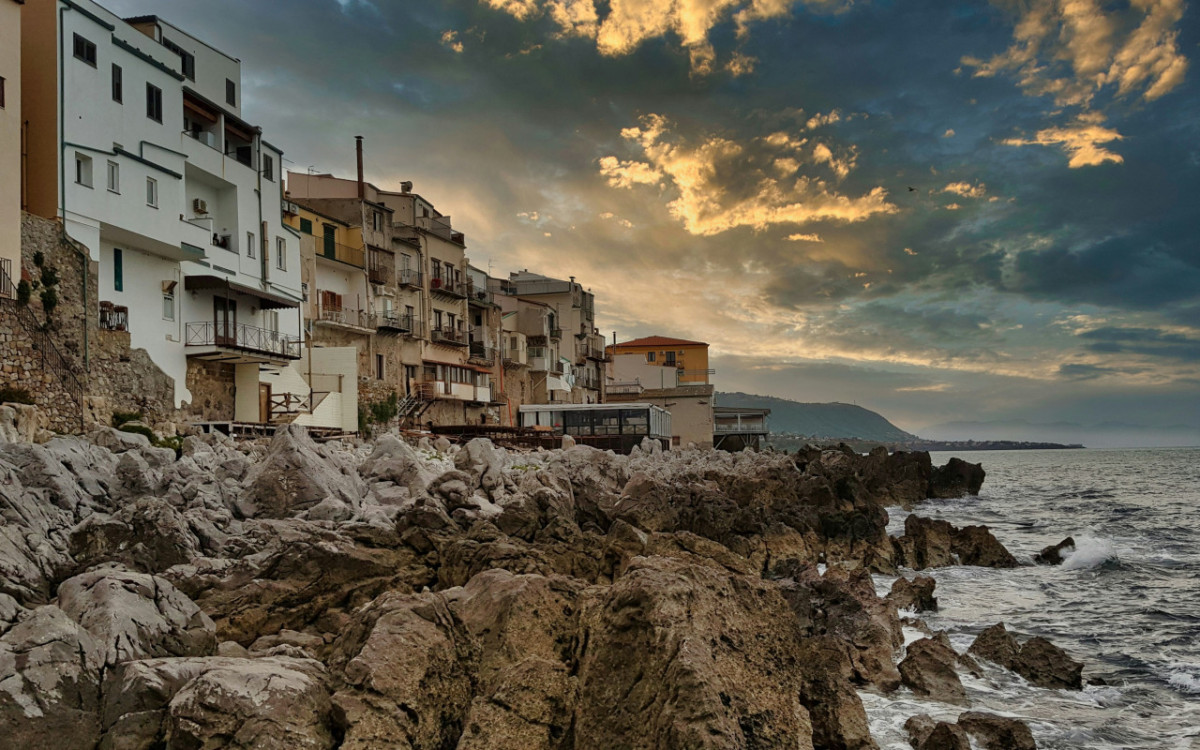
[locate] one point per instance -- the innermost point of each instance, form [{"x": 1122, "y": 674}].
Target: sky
[{"x": 943, "y": 211}]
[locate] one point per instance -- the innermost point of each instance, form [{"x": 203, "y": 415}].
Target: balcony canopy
[{"x": 269, "y": 300}]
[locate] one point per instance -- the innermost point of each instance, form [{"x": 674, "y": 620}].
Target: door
[
  {"x": 264, "y": 402},
  {"x": 224, "y": 321},
  {"x": 330, "y": 248}
]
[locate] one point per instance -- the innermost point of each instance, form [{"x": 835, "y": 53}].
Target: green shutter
[
  {"x": 118, "y": 271},
  {"x": 306, "y": 226}
]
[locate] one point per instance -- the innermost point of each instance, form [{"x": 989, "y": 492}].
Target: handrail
[{"x": 242, "y": 336}]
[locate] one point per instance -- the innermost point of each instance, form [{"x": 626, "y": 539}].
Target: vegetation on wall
[
  {"x": 13, "y": 395},
  {"x": 378, "y": 413}
]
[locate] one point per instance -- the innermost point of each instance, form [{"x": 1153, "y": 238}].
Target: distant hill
[
  {"x": 1106, "y": 435},
  {"x": 825, "y": 421}
]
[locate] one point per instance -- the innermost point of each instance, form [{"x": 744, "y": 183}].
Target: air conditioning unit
[{"x": 200, "y": 206}]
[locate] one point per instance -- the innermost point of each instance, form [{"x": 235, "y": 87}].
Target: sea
[{"x": 1126, "y": 603}]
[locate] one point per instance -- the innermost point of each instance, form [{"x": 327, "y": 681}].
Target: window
[
  {"x": 153, "y": 102},
  {"x": 118, "y": 85},
  {"x": 437, "y": 319},
  {"x": 649, "y": 356},
  {"x": 230, "y": 93},
  {"x": 83, "y": 169},
  {"x": 187, "y": 61},
  {"x": 376, "y": 221},
  {"x": 249, "y": 244},
  {"x": 152, "y": 192},
  {"x": 306, "y": 226},
  {"x": 281, "y": 253},
  {"x": 670, "y": 359},
  {"x": 271, "y": 318},
  {"x": 1, "y": 92},
  {"x": 268, "y": 167},
  {"x": 169, "y": 304},
  {"x": 379, "y": 367},
  {"x": 85, "y": 50},
  {"x": 114, "y": 177},
  {"x": 118, "y": 270}
]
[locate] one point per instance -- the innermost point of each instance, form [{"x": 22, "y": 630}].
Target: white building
[{"x": 137, "y": 142}]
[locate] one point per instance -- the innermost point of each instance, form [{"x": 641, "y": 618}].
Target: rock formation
[
  {"x": 1037, "y": 660},
  {"x": 436, "y": 596}
]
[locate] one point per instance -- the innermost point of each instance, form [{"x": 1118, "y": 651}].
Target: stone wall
[
  {"x": 213, "y": 390},
  {"x": 22, "y": 368}
]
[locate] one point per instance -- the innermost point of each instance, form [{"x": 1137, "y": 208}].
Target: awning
[{"x": 270, "y": 300}]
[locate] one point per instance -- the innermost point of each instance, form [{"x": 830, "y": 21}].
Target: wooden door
[{"x": 264, "y": 402}]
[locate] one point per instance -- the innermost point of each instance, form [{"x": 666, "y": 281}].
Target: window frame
[
  {"x": 118, "y": 84},
  {"x": 118, "y": 270},
  {"x": 280, "y": 254},
  {"x": 2, "y": 79},
  {"x": 250, "y": 245},
  {"x": 230, "y": 92},
  {"x": 113, "y": 177},
  {"x": 151, "y": 192},
  {"x": 83, "y": 168},
  {"x": 168, "y": 299},
  {"x": 154, "y": 104},
  {"x": 88, "y": 54},
  {"x": 268, "y": 167}
]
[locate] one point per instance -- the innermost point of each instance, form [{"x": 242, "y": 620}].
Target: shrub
[
  {"x": 121, "y": 417},
  {"x": 24, "y": 292},
  {"x": 13, "y": 395},
  {"x": 140, "y": 429},
  {"x": 385, "y": 411},
  {"x": 39, "y": 258}
]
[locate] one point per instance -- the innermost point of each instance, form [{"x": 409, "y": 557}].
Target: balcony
[
  {"x": 482, "y": 355},
  {"x": 479, "y": 296},
  {"x": 330, "y": 250},
  {"x": 394, "y": 322},
  {"x": 113, "y": 317},
  {"x": 587, "y": 350},
  {"x": 556, "y": 333},
  {"x": 449, "y": 336},
  {"x": 409, "y": 277},
  {"x": 448, "y": 287},
  {"x": 379, "y": 275},
  {"x": 238, "y": 342},
  {"x": 358, "y": 320},
  {"x": 628, "y": 387}
]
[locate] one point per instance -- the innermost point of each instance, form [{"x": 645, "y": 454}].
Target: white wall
[
  {"x": 10, "y": 137},
  {"x": 626, "y": 368}
]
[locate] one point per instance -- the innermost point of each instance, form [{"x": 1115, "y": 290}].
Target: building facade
[
  {"x": 669, "y": 372},
  {"x": 137, "y": 144},
  {"x": 10, "y": 144}
]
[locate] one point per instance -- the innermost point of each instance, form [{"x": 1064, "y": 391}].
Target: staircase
[
  {"x": 412, "y": 406},
  {"x": 52, "y": 361}
]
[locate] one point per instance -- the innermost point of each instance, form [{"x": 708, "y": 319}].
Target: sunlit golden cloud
[
  {"x": 1083, "y": 140},
  {"x": 966, "y": 189}
]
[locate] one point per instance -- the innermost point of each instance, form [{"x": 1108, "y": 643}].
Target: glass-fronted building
[{"x": 616, "y": 427}]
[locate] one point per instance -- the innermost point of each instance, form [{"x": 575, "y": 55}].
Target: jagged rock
[
  {"x": 118, "y": 441},
  {"x": 956, "y": 478},
  {"x": 675, "y": 655},
  {"x": 996, "y": 645},
  {"x": 294, "y": 476},
  {"x": 49, "y": 679},
  {"x": 838, "y": 718},
  {"x": 404, "y": 665},
  {"x": 946, "y": 736},
  {"x": 997, "y": 732},
  {"x": 310, "y": 644},
  {"x": 1052, "y": 555},
  {"x": 933, "y": 543},
  {"x": 272, "y": 703},
  {"x": 530, "y": 709},
  {"x": 919, "y": 728},
  {"x": 135, "y": 616},
  {"x": 23, "y": 423},
  {"x": 1048, "y": 666},
  {"x": 148, "y": 535},
  {"x": 915, "y": 594},
  {"x": 928, "y": 669}
]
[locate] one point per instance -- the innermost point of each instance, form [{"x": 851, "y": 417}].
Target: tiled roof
[{"x": 660, "y": 341}]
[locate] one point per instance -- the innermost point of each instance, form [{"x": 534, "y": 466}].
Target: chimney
[{"x": 362, "y": 192}]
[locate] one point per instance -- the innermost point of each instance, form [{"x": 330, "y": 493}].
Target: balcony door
[
  {"x": 330, "y": 246},
  {"x": 225, "y": 321}
]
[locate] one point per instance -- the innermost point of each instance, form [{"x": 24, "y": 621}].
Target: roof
[{"x": 660, "y": 341}]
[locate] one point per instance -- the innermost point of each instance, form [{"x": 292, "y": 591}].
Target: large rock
[
  {"x": 49, "y": 679},
  {"x": 136, "y": 616},
  {"x": 1048, "y": 666},
  {"x": 956, "y": 478},
  {"x": 996, "y": 645},
  {"x": 934, "y": 543},
  {"x": 928, "y": 669},
  {"x": 993, "y": 732},
  {"x": 676, "y": 655},
  {"x": 271, "y": 703},
  {"x": 915, "y": 594},
  {"x": 1053, "y": 555},
  {"x": 294, "y": 476},
  {"x": 530, "y": 708},
  {"x": 148, "y": 534},
  {"x": 839, "y": 721}
]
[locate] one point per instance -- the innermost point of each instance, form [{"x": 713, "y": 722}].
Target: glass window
[
  {"x": 281, "y": 253},
  {"x": 118, "y": 270},
  {"x": 114, "y": 177},
  {"x": 249, "y": 244},
  {"x": 152, "y": 192},
  {"x": 85, "y": 50},
  {"x": 634, "y": 422},
  {"x": 649, "y": 356},
  {"x": 154, "y": 108},
  {"x": 168, "y": 305},
  {"x": 83, "y": 170},
  {"x": 306, "y": 226},
  {"x": 1, "y": 92},
  {"x": 608, "y": 422},
  {"x": 118, "y": 86},
  {"x": 230, "y": 93},
  {"x": 268, "y": 167}
]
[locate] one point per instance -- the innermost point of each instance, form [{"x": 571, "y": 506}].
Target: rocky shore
[{"x": 284, "y": 594}]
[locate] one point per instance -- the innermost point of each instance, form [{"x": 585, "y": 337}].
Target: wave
[
  {"x": 1185, "y": 680},
  {"x": 1090, "y": 552}
]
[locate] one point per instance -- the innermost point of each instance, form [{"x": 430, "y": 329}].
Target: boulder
[
  {"x": 933, "y": 543},
  {"x": 975, "y": 545},
  {"x": 1048, "y": 666},
  {"x": 993, "y": 732},
  {"x": 996, "y": 645},
  {"x": 530, "y": 708},
  {"x": 49, "y": 679},
  {"x": 946, "y": 736},
  {"x": 294, "y": 476},
  {"x": 1053, "y": 555},
  {"x": 272, "y": 703},
  {"x": 915, "y": 594},
  {"x": 148, "y": 535},
  {"x": 956, "y": 478},
  {"x": 919, "y": 728},
  {"x": 838, "y": 718},
  {"x": 136, "y": 616},
  {"x": 928, "y": 669}
]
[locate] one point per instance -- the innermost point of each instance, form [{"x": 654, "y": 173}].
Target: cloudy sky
[{"x": 939, "y": 210}]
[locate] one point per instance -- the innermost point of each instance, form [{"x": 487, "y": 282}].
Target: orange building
[{"x": 688, "y": 358}]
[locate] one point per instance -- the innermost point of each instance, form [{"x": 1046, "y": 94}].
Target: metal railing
[
  {"x": 756, "y": 426},
  {"x": 408, "y": 277},
  {"x": 583, "y": 351},
  {"x": 395, "y": 321},
  {"x": 448, "y": 335},
  {"x": 479, "y": 295},
  {"x": 241, "y": 336},
  {"x": 482, "y": 353},
  {"x": 379, "y": 274},
  {"x": 6, "y": 284},
  {"x": 556, "y": 333},
  {"x": 625, "y": 387},
  {"x": 448, "y": 286},
  {"x": 354, "y": 256}
]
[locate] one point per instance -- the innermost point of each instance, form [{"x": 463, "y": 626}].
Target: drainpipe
[
  {"x": 358, "y": 148},
  {"x": 62, "y": 187}
]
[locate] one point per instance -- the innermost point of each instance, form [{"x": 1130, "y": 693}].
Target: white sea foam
[
  {"x": 1185, "y": 679},
  {"x": 1090, "y": 551}
]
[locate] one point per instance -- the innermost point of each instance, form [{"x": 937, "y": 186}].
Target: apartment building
[
  {"x": 422, "y": 298},
  {"x": 136, "y": 141},
  {"x": 668, "y": 372},
  {"x": 10, "y": 144}
]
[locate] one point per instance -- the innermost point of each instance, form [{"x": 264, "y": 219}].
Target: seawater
[{"x": 1126, "y": 603}]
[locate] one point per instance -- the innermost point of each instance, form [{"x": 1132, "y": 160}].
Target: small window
[
  {"x": 271, "y": 317},
  {"x": 118, "y": 85},
  {"x": 1, "y": 92},
  {"x": 280, "y": 253},
  {"x": 154, "y": 102},
  {"x": 168, "y": 305},
  {"x": 306, "y": 226},
  {"x": 114, "y": 177},
  {"x": 230, "y": 93},
  {"x": 650, "y": 356},
  {"x": 83, "y": 170},
  {"x": 268, "y": 167},
  {"x": 85, "y": 50},
  {"x": 118, "y": 270},
  {"x": 670, "y": 361},
  {"x": 376, "y": 221},
  {"x": 379, "y": 367},
  {"x": 249, "y": 244},
  {"x": 152, "y": 192}
]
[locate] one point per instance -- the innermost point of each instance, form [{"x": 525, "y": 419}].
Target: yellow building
[
  {"x": 10, "y": 144},
  {"x": 688, "y": 358}
]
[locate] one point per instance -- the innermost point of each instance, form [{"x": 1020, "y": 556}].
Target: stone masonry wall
[{"x": 213, "y": 390}]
